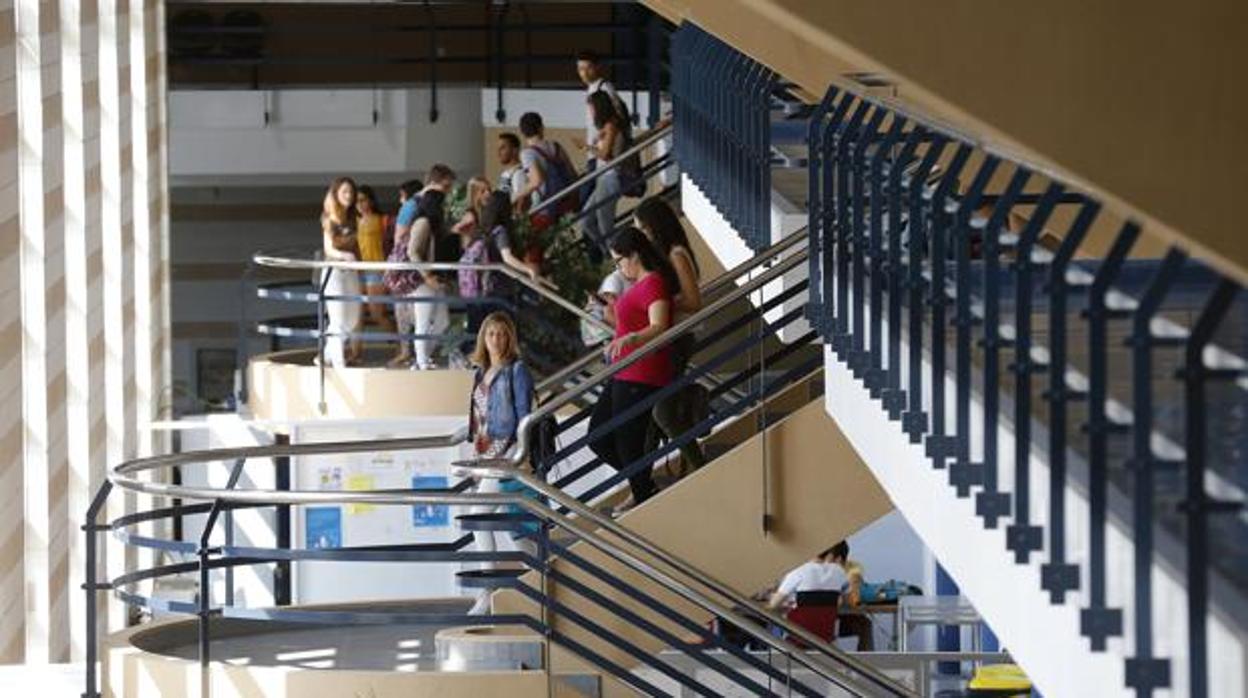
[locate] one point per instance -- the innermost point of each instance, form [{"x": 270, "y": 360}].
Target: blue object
[
  {"x": 430, "y": 515},
  {"x": 323, "y": 527}
]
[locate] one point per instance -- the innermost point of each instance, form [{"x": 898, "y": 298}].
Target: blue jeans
[{"x": 599, "y": 225}]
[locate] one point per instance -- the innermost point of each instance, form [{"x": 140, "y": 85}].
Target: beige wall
[
  {"x": 285, "y": 387},
  {"x": 1137, "y": 100},
  {"x": 82, "y": 246},
  {"x": 819, "y": 492}
]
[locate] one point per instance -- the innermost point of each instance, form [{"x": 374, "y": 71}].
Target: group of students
[
  {"x": 534, "y": 170},
  {"x": 354, "y": 228}
]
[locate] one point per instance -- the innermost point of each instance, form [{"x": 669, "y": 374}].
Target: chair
[{"x": 816, "y": 612}]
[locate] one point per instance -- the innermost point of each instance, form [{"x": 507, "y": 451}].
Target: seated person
[{"x": 830, "y": 570}]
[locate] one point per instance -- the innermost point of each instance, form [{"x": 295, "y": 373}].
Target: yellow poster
[{"x": 360, "y": 482}]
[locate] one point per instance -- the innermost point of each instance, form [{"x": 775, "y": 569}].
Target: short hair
[
  {"x": 531, "y": 124},
  {"x": 840, "y": 550},
  {"x": 481, "y": 355},
  {"x": 511, "y": 139},
  {"x": 410, "y": 188},
  {"x": 440, "y": 173},
  {"x": 589, "y": 56}
]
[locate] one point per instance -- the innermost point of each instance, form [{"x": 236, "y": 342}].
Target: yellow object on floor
[{"x": 998, "y": 679}]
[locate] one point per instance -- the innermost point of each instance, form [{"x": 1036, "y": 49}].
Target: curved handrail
[
  {"x": 275, "y": 262},
  {"x": 675, "y": 331},
  {"x": 121, "y": 476},
  {"x": 649, "y": 139}
]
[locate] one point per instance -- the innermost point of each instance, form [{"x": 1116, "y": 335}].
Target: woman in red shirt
[{"x": 642, "y": 313}]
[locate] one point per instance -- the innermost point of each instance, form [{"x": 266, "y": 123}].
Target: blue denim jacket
[{"x": 511, "y": 398}]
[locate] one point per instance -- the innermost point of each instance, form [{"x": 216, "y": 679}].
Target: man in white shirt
[
  {"x": 589, "y": 69},
  {"x": 830, "y": 570},
  {"x": 512, "y": 178}
]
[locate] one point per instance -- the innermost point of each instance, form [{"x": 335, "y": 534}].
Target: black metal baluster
[
  {"x": 1097, "y": 621},
  {"x": 1146, "y": 673},
  {"x": 1022, "y": 537},
  {"x": 939, "y": 446},
  {"x": 814, "y": 203},
  {"x": 844, "y": 227},
  {"x": 964, "y": 473},
  {"x": 857, "y": 234},
  {"x": 1057, "y": 576},
  {"x": 914, "y": 420},
  {"x": 829, "y": 207},
  {"x": 895, "y": 396},
  {"x": 990, "y": 504},
  {"x": 1198, "y": 505},
  {"x": 874, "y": 362}
]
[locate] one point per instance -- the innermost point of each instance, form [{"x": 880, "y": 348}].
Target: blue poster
[
  {"x": 323, "y": 527},
  {"x": 430, "y": 515}
]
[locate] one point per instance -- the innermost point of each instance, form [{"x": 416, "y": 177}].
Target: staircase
[{"x": 1057, "y": 411}]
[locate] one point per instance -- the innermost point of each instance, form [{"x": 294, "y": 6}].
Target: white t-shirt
[
  {"x": 812, "y": 576},
  {"x": 512, "y": 179},
  {"x": 591, "y": 131}
]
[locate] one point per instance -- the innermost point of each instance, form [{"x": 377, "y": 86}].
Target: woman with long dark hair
[
  {"x": 642, "y": 313},
  {"x": 607, "y": 188},
  {"x": 677, "y": 413}
]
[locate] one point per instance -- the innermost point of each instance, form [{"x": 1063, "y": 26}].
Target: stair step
[
  {"x": 503, "y": 578},
  {"x": 496, "y": 521}
]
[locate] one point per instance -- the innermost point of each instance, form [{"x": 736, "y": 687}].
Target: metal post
[
  {"x": 894, "y": 395},
  {"x": 991, "y": 504},
  {"x": 1058, "y": 576},
  {"x": 938, "y": 443},
  {"x": 320, "y": 336},
  {"x": 654, "y": 57},
  {"x": 1146, "y": 673},
  {"x": 964, "y": 473},
  {"x": 1198, "y": 505},
  {"x": 1021, "y": 536},
  {"x": 914, "y": 420},
  {"x": 1098, "y": 622},
  {"x": 91, "y": 586}
]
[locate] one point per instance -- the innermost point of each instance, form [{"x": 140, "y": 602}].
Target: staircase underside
[{"x": 1132, "y": 100}]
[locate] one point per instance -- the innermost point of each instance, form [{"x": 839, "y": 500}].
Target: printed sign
[
  {"x": 323, "y": 527},
  {"x": 430, "y": 515}
]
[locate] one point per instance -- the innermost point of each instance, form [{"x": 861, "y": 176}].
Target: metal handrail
[
  {"x": 276, "y": 262},
  {"x": 675, "y": 331},
  {"x": 709, "y": 288},
  {"x": 652, "y": 137},
  {"x": 120, "y": 476},
  {"x": 575, "y": 506}
]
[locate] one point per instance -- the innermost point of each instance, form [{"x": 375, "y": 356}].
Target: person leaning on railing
[
  {"x": 502, "y": 395},
  {"x": 643, "y": 312},
  {"x": 679, "y": 412},
  {"x": 339, "y": 244}
]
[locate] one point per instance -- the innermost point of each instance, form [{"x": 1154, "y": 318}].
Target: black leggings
[{"x": 627, "y": 442}]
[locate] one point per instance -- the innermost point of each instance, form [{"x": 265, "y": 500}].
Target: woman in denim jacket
[{"x": 502, "y": 394}]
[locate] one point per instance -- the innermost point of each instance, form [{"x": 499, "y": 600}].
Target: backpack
[
  {"x": 631, "y": 182},
  {"x": 556, "y": 169},
  {"x": 400, "y": 282}
]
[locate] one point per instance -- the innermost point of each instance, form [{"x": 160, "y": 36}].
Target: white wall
[
  {"x": 321, "y": 133},
  {"x": 224, "y": 132}
]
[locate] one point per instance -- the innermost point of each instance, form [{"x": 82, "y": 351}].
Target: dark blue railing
[
  {"x": 911, "y": 231},
  {"x": 721, "y": 106}
]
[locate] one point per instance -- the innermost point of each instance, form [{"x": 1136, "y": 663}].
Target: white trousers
[
  {"x": 344, "y": 316},
  {"x": 430, "y": 318}
]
